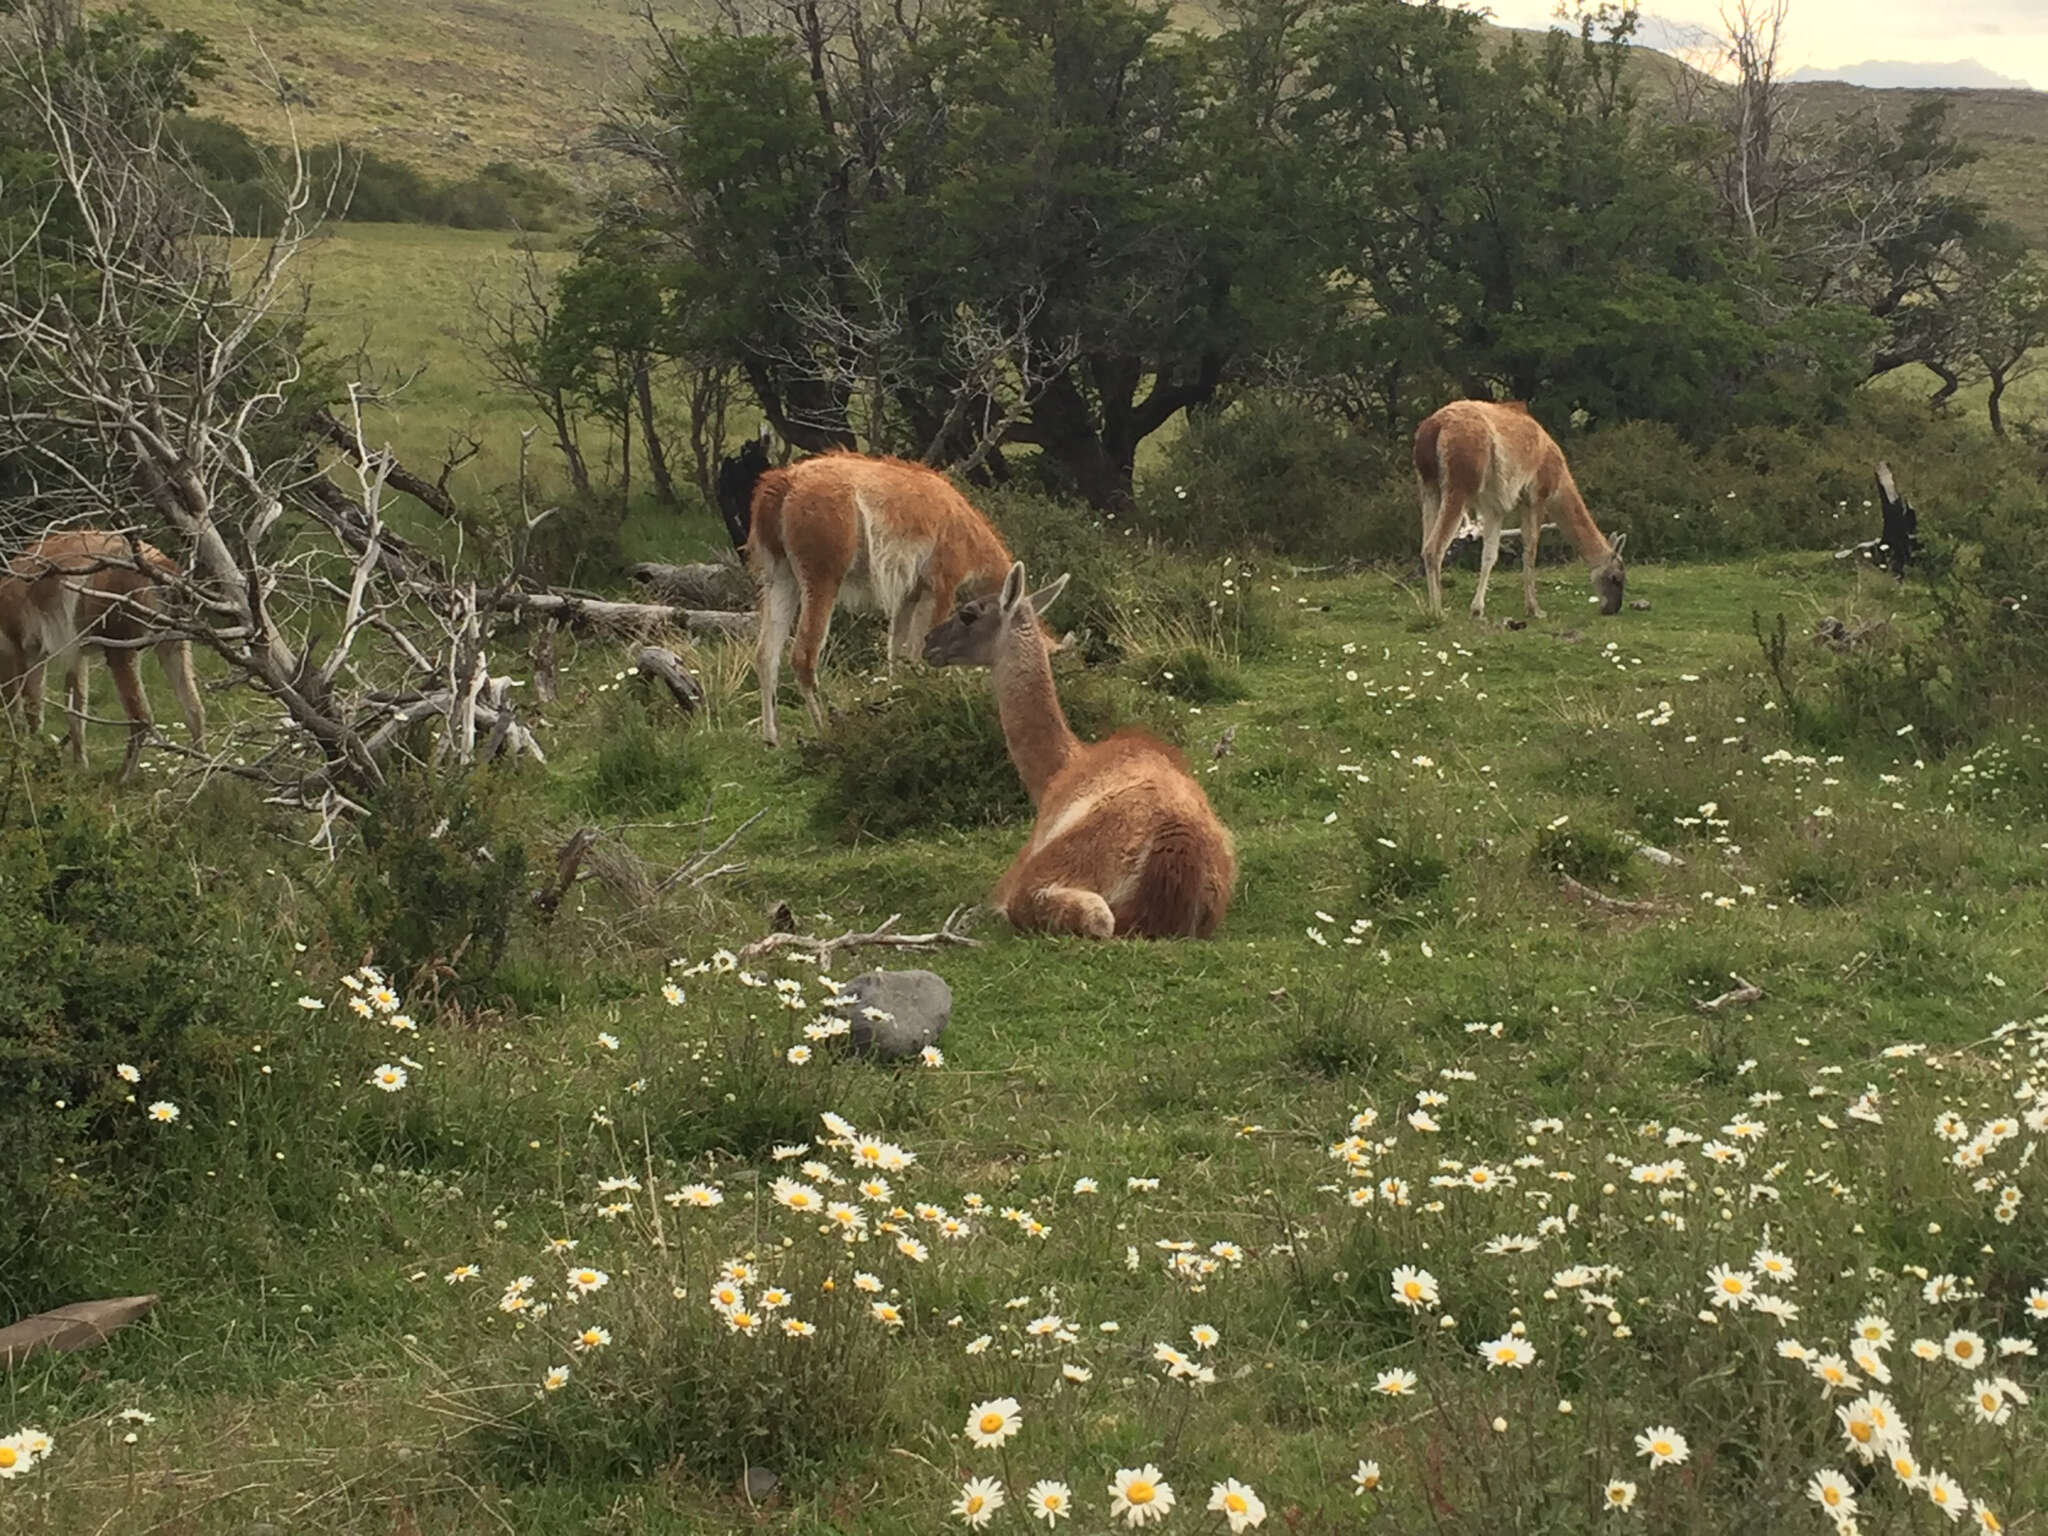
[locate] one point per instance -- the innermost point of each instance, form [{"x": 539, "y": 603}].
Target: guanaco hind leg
[{"x": 778, "y": 615}]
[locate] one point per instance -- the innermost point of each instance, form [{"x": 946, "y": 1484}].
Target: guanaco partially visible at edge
[
  {"x": 85, "y": 589},
  {"x": 1125, "y": 843},
  {"x": 1480, "y": 458},
  {"x": 873, "y": 533}
]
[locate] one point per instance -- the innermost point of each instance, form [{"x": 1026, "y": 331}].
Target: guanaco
[
  {"x": 863, "y": 532},
  {"x": 80, "y": 590},
  {"x": 1479, "y": 458},
  {"x": 1125, "y": 843}
]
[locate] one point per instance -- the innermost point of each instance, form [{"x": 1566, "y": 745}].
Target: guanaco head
[
  {"x": 975, "y": 632},
  {"x": 1610, "y": 576}
]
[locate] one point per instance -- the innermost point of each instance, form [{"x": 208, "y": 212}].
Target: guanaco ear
[
  {"x": 1013, "y": 587},
  {"x": 1043, "y": 598},
  {"x": 1619, "y": 540}
]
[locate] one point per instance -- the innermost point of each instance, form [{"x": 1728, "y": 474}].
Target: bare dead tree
[
  {"x": 150, "y": 376},
  {"x": 513, "y": 329}
]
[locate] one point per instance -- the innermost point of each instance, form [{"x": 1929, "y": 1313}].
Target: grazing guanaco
[
  {"x": 1125, "y": 843},
  {"x": 80, "y": 590},
  {"x": 864, "y": 532},
  {"x": 1478, "y": 458}
]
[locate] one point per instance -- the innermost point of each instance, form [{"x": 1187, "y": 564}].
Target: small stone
[
  {"x": 759, "y": 1483},
  {"x": 1640, "y": 604},
  {"x": 919, "y": 1005}
]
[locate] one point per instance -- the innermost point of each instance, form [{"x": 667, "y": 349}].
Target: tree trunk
[
  {"x": 1995, "y": 403},
  {"x": 565, "y": 439},
  {"x": 657, "y": 457}
]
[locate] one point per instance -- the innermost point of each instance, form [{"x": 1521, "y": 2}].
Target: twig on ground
[
  {"x": 1745, "y": 993},
  {"x": 1606, "y": 903}
]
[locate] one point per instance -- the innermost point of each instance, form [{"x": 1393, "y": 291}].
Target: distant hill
[
  {"x": 449, "y": 85},
  {"x": 2010, "y": 127},
  {"x": 1898, "y": 74},
  {"x": 446, "y": 85}
]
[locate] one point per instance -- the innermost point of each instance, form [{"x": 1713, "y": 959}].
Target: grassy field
[
  {"x": 1409, "y": 1046},
  {"x": 403, "y": 298}
]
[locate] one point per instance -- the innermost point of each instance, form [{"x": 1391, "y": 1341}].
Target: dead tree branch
[{"x": 883, "y": 936}]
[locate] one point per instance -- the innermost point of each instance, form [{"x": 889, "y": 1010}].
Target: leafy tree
[{"x": 1048, "y": 222}]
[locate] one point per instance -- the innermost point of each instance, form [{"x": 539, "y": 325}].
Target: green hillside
[
  {"x": 447, "y": 85},
  {"x": 2010, "y": 127}
]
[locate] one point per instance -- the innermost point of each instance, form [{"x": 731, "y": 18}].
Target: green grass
[{"x": 1398, "y": 784}]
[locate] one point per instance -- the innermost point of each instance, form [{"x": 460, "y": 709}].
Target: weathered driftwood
[
  {"x": 630, "y": 617},
  {"x": 883, "y": 936},
  {"x": 568, "y": 861},
  {"x": 65, "y": 1329},
  {"x": 666, "y": 667},
  {"x": 1745, "y": 993},
  {"x": 544, "y": 664},
  {"x": 716, "y": 584}
]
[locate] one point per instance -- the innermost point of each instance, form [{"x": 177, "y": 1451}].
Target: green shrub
[
  {"x": 1589, "y": 857},
  {"x": 930, "y": 753},
  {"x": 247, "y": 176},
  {"x": 649, "y": 760},
  {"x": 1888, "y": 685},
  {"x": 437, "y": 887},
  {"x": 1192, "y": 673},
  {"x": 1271, "y": 472},
  {"x": 1399, "y": 868},
  {"x": 116, "y": 950}
]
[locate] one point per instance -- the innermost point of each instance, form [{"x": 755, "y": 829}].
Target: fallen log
[
  {"x": 630, "y": 617},
  {"x": 714, "y": 584},
  {"x": 66, "y": 1329}
]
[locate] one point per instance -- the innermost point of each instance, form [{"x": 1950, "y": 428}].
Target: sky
[{"x": 2009, "y": 36}]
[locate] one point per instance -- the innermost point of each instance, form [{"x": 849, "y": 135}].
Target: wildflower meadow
[{"x": 1608, "y": 1107}]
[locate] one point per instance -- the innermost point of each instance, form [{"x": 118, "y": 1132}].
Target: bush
[
  {"x": 1589, "y": 857},
  {"x": 439, "y": 884},
  {"x": 1270, "y": 472},
  {"x": 1193, "y": 674},
  {"x": 930, "y": 754},
  {"x": 113, "y": 954},
  {"x": 245, "y": 174},
  {"x": 648, "y": 759}
]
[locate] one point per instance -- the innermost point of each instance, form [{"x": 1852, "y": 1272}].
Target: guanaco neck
[
  {"x": 1034, "y": 726},
  {"x": 1568, "y": 509}
]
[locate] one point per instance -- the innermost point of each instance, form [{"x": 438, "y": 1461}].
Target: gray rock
[
  {"x": 918, "y": 1006},
  {"x": 758, "y": 1483}
]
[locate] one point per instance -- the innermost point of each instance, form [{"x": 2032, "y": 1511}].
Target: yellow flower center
[
  {"x": 1831, "y": 1496},
  {"x": 974, "y": 1503},
  {"x": 991, "y": 1422},
  {"x": 8, "y": 1456},
  {"x": 1860, "y": 1430},
  {"x": 1662, "y": 1447},
  {"x": 1412, "y": 1291},
  {"x": 1964, "y": 1349},
  {"x": 1939, "y": 1495},
  {"x": 1989, "y": 1400},
  {"x": 1732, "y": 1285},
  {"x": 1234, "y": 1502},
  {"x": 1139, "y": 1492},
  {"x": 1616, "y": 1495},
  {"x": 1051, "y": 1501}
]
